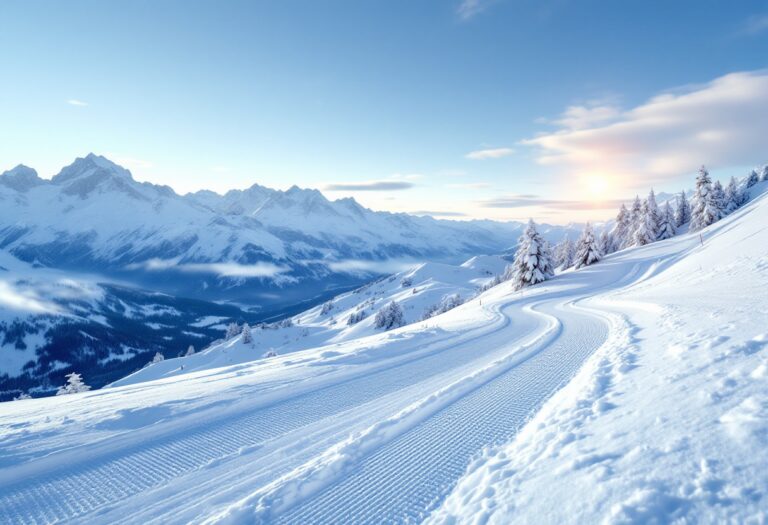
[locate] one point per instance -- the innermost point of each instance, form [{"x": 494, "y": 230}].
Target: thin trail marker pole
[{"x": 701, "y": 238}]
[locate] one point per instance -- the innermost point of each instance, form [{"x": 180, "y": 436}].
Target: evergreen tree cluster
[
  {"x": 645, "y": 222},
  {"x": 389, "y": 317}
]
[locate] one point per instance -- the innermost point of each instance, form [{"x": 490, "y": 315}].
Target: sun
[{"x": 596, "y": 186}]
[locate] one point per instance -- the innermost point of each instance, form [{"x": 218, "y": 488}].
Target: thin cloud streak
[
  {"x": 470, "y": 8},
  {"x": 75, "y": 102},
  {"x": 756, "y": 24},
  {"x": 377, "y": 185},
  {"x": 523, "y": 201},
  {"x": 494, "y": 153}
]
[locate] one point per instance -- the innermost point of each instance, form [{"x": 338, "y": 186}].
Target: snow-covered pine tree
[
  {"x": 587, "y": 249},
  {"x": 22, "y": 396},
  {"x": 752, "y": 179},
  {"x": 622, "y": 229},
  {"x": 718, "y": 197},
  {"x": 73, "y": 385},
  {"x": 158, "y": 358},
  {"x": 389, "y": 317},
  {"x": 565, "y": 253},
  {"x": 245, "y": 335},
  {"x": 682, "y": 211},
  {"x": 233, "y": 330},
  {"x": 704, "y": 211},
  {"x": 646, "y": 231},
  {"x": 190, "y": 351},
  {"x": 605, "y": 243},
  {"x": 635, "y": 216},
  {"x": 533, "y": 262},
  {"x": 764, "y": 174},
  {"x": 667, "y": 227},
  {"x": 653, "y": 209},
  {"x": 733, "y": 197}
]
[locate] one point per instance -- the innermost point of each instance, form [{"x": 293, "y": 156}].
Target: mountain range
[{"x": 261, "y": 247}]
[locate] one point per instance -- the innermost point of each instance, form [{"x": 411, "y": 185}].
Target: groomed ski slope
[{"x": 373, "y": 430}]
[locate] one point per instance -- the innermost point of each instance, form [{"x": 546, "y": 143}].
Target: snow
[
  {"x": 428, "y": 284},
  {"x": 669, "y": 421},
  {"x": 278, "y": 237},
  {"x": 632, "y": 390}
]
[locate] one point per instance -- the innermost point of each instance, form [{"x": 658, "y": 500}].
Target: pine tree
[
  {"x": 667, "y": 227},
  {"x": 533, "y": 262},
  {"x": 245, "y": 335},
  {"x": 646, "y": 232},
  {"x": 565, "y": 253},
  {"x": 389, "y": 317},
  {"x": 704, "y": 211},
  {"x": 752, "y": 179},
  {"x": 682, "y": 211},
  {"x": 764, "y": 174},
  {"x": 621, "y": 230},
  {"x": 158, "y": 358},
  {"x": 74, "y": 385},
  {"x": 190, "y": 351},
  {"x": 635, "y": 216},
  {"x": 718, "y": 197},
  {"x": 653, "y": 209},
  {"x": 606, "y": 242},
  {"x": 733, "y": 197},
  {"x": 587, "y": 250},
  {"x": 233, "y": 330}
]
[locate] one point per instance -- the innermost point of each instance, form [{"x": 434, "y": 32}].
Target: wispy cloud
[
  {"x": 24, "y": 300},
  {"x": 439, "y": 213},
  {"x": 494, "y": 153},
  {"x": 222, "y": 269},
  {"x": 470, "y": 8},
  {"x": 75, "y": 102},
  {"x": 524, "y": 201},
  {"x": 587, "y": 116},
  {"x": 374, "y": 185},
  {"x": 260, "y": 269},
  {"x": 756, "y": 24},
  {"x": 363, "y": 266},
  {"x": 721, "y": 123}
]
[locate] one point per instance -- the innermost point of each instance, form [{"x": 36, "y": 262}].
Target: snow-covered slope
[
  {"x": 256, "y": 246},
  {"x": 666, "y": 423},
  {"x": 630, "y": 391},
  {"x": 421, "y": 292}
]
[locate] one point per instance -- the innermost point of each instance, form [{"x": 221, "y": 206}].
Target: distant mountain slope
[
  {"x": 53, "y": 322},
  {"x": 258, "y": 246}
]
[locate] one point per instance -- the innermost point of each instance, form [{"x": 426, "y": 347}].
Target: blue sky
[{"x": 501, "y": 109}]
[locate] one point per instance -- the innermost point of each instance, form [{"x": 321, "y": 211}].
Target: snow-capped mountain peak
[{"x": 21, "y": 178}]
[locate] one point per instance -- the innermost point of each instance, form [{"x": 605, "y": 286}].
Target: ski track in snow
[
  {"x": 68, "y": 493},
  {"x": 93, "y": 486}
]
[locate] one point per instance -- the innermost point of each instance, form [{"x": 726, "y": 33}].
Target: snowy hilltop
[{"x": 629, "y": 387}]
